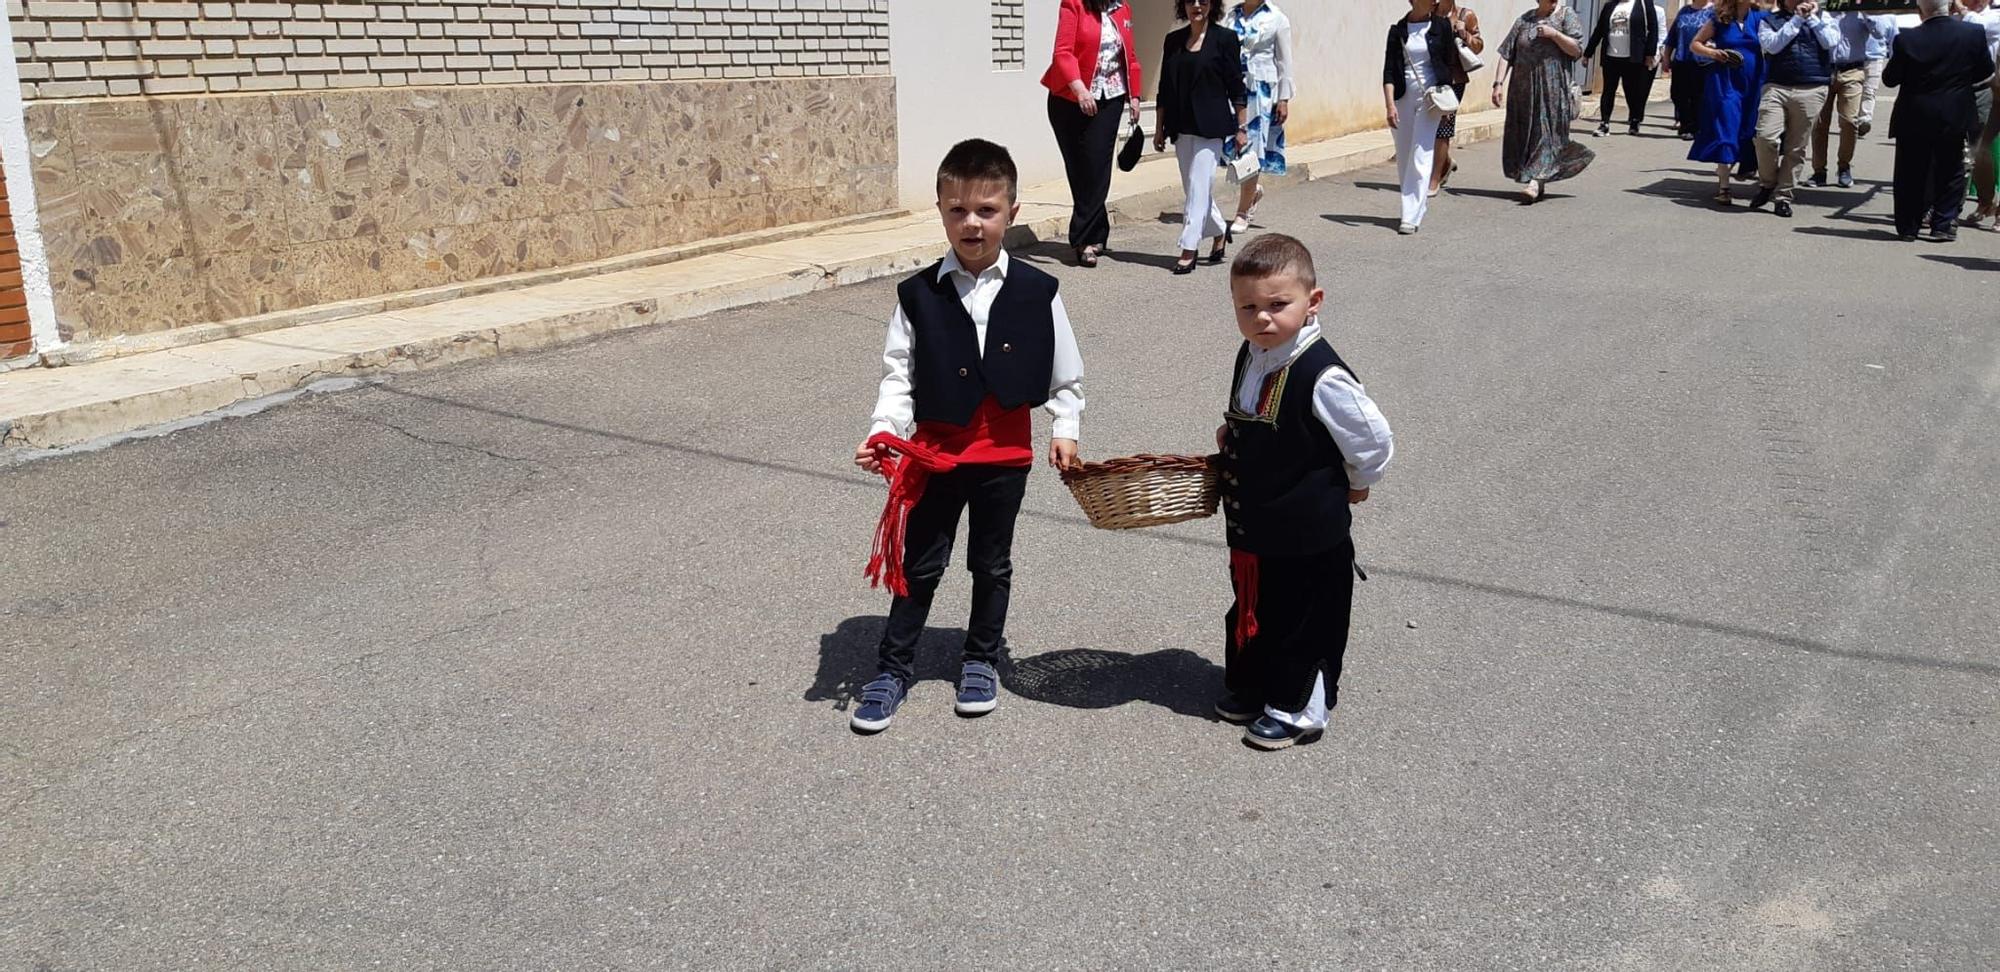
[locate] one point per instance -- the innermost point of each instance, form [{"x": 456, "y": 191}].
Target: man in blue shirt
[
  {"x": 1850, "y": 84},
  {"x": 1882, "y": 30}
]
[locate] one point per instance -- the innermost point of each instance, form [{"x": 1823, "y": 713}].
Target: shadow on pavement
[
  {"x": 1507, "y": 195},
  {"x": 1174, "y": 679},
  {"x": 1849, "y": 234},
  {"x": 847, "y": 659},
  {"x": 1387, "y": 222},
  {"x": 1965, "y": 262}
]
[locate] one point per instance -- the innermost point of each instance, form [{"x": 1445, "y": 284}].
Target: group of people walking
[
  {"x": 1756, "y": 85},
  {"x": 1225, "y": 91}
]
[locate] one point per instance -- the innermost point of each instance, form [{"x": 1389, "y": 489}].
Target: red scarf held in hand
[
  {"x": 996, "y": 436},
  {"x": 1243, "y": 576}
]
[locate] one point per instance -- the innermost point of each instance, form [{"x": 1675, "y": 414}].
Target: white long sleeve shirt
[
  {"x": 895, "y": 403},
  {"x": 1823, "y": 26},
  {"x": 1266, "y": 38},
  {"x": 1339, "y": 402}
]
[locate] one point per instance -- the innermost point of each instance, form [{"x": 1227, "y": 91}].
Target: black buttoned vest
[
  {"x": 1284, "y": 481},
  {"x": 949, "y": 375}
]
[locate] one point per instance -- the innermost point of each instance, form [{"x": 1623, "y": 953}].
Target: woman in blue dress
[
  {"x": 1734, "y": 83},
  {"x": 1266, "y": 36}
]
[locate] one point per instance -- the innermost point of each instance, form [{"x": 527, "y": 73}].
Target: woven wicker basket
[{"x": 1143, "y": 491}]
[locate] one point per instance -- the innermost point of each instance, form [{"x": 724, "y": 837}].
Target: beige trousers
[{"x": 1785, "y": 116}]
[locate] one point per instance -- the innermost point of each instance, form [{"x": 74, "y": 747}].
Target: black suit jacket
[
  {"x": 1937, "y": 64},
  {"x": 1442, "y": 43},
  {"x": 1201, "y": 91},
  {"x": 1645, "y": 31}
]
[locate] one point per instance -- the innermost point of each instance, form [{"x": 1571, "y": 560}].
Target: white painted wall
[
  {"x": 941, "y": 53},
  {"x": 14, "y": 149}
]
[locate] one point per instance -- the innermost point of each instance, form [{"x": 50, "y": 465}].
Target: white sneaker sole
[
  {"x": 975, "y": 708},
  {"x": 869, "y": 725}
]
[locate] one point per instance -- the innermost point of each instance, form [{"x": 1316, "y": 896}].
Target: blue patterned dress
[{"x": 1266, "y": 37}]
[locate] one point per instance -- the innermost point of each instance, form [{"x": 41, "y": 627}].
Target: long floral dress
[
  {"x": 1540, "y": 105},
  {"x": 1266, "y": 37}
]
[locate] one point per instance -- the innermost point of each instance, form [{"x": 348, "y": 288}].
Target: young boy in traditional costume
[
  {"x": 1302, "y": 442},
  {"x": 976, "y": 343}
]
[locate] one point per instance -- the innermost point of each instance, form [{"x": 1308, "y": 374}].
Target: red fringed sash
[
  {"x": 1243, "y": 577},
  {"x": 995, "y": 437}
]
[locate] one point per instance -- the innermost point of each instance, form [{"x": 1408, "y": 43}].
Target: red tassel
[
  {"x": 1243, "y": 577},
  {"x": 907, "y": 476}
]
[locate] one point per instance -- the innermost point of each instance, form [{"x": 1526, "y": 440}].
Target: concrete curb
[{"x": 54, "y": 408}]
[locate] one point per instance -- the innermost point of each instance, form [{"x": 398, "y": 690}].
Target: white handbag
[
  {"x": 1440, "y": 100},
  {"x": 1244, "y": 166},
  {"x": 1469, "y": 59}
]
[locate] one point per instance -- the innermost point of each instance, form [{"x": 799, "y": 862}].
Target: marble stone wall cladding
[{"x": 163, "y": 212}]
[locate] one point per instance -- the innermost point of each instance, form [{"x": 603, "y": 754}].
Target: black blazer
[
  {"x": 1645, "y": 38},
  {"x": 1937, "y": 64},
  {"x": 1201, "y": 91},
  {"x": 1443, "y": 44}
]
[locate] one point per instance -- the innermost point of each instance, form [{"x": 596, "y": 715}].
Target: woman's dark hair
[
  {"x": 1095, "y": 7},
  {"x": 1214, "y": 10}
]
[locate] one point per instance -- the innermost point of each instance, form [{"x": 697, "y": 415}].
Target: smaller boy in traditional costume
[
  {"x": 976, "y": 343},
  {"x": 1301, "y": 442}
]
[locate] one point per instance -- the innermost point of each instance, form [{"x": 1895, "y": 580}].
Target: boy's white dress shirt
[
  {"x": 1358, "y": 428},
  {"x": 895, "y": 405}
]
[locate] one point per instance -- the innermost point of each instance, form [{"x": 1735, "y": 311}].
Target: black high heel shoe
[{"x": 1221, "y": 250}]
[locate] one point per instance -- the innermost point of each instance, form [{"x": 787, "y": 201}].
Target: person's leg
[
  {"x": 1948, "y": 182},
  {"x": 1846, "y": 102},
  {"x": 1213, "y": 226},
  {"x": 1246, "y": 198},
  {"x": 1100, "y": 142},
  {"x": 994, "y": 502},
  {"x": 927, "y": 540},
  {"x": 1684, "y": 85},
  {"x": 1983, "y": 103},
  {"x": 1638, "y": 90},
  {"x": 1197, "y": 177},
  {"x": 1802, "y": 107},
  {"x": 1607, "y": 100},
  {"x": 1416, "y": 139},
  {"x": 1069, "y": 124},
  {"x": 1871, "y": 83},
  {"x": 1822, "y": 126},
  {"x": 1316, "y": 595},
  {"x": 1912, "y": 182},
  {"x": 1770, "y": 134}
]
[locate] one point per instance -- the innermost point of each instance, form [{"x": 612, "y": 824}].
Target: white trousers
[
  {"x": 1416, "y": 142},
  {"x": 1314, "y": 715},
  {"x": 1868, "y": 89},
  {"x": 1201, "y": 219}
]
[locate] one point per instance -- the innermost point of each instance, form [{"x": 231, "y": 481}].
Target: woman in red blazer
[{"x": 1092, "y": 80}]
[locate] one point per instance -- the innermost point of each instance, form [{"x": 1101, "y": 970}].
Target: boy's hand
[
  {"x": 1357, "y": 496},
  {"x": 869, "y": 458},
  {"x": 1222, "y": 436},
  {"x": 1062, "y": 454}
]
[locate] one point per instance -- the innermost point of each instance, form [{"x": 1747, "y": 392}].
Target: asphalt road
[{"x": 1678, "y": 651}]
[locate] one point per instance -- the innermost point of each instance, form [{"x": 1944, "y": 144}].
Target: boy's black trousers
[
  {"x": 993, "y": 495},
  {"x": 1303, "y": 604}
]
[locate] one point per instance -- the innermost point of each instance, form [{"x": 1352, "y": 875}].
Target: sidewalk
[{"x": 60, "y": 407}]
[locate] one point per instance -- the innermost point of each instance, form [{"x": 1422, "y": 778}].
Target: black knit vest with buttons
[
  {"x": 1284, "y": 482},
  {"x": 949, "y": 375}
]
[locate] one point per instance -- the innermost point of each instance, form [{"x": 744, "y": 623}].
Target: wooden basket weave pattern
[{"x": 1144, "y": 491}]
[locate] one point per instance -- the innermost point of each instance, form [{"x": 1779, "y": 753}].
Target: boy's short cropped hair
[
  {"x": 978, "y": 160},
  {"x": 1272, "y": 254}
]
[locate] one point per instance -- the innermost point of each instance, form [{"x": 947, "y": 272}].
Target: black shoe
[
  {"x": 1783, "y": 208},
  {"x": 1687, "y": 136},
  {"x": 1232, "y": 709},
  {"x": 1632, "y": 129},
  {"x": 1817, "y": 180},
  {"x": 1221, "y": 251},
  {"x": 1907, "y": 237},
  {"x": 1269, "y": 733},
  {"x": 1764, "y": 194},
  {"x": 1602, "y": 130},
  {"x": 1945, "y": 234},
  {"x": 1183, "y": 268}
]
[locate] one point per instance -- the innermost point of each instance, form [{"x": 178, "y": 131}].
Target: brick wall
[
  {"x": 1009, "y": 30},
  {"x": 84, "y": 48},
  {"x": 14, "y": 337}
]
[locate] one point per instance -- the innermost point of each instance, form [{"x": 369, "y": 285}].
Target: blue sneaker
[
  {"x": 978, "y": 689},
  {"x": 879, "y": 701}
]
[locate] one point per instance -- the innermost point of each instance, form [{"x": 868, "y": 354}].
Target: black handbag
[{"x": 1128, "y": 157}]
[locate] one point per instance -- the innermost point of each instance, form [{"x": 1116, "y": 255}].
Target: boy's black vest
[
  {"x": 1284, "y": 481},
  {"x": 948, "y": 375},
  {"x": 1802, "y": 62}
]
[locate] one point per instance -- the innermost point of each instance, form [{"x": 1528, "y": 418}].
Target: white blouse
[{"x": 1267, "y": 47}]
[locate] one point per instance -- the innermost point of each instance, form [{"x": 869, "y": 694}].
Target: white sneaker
[{"x": 1407, "y": 229}]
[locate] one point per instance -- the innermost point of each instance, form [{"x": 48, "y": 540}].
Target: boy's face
[
  {"x": 976, "y": 215},
  {"x": 1271, "y": 310}
]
